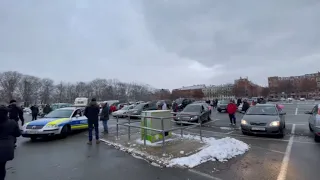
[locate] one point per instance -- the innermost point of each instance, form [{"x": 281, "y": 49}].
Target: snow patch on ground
[
  {"x": 216, "y": 150},
  {"x": 226, "y": 128}
]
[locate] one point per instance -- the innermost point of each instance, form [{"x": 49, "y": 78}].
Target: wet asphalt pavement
[{"x": 71, "y": 158}]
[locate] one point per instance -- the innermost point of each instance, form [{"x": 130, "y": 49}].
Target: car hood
[
  {"x": 44, "y": 121},
  {"x": 260, "y": 118},
  {"x": 120, "y": 111},
  {"x": 188, "y": 113}
]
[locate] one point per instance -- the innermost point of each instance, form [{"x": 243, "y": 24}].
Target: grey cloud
[{"x": 165, "y": 43}]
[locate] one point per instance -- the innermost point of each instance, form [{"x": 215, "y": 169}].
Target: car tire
[
  {"x": 65, "y": 131},
  {"x": 316, "y": 138},
  {"x": 310, "y": 128},
  {"x": 219, "y": 110},
  {"x": 33, "y": 139}
]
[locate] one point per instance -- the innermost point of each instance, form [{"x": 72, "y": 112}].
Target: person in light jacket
[
  {"x": 9, "y": 131},
  {"x": 104, "y": 117}
]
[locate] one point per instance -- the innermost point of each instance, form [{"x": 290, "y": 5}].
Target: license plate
[
  {"x": 32, "y": 132},
  {"x": 258, "y": 129}
]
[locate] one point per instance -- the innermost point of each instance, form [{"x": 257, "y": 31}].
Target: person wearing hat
[
  {"x": 92, "y": 113},
  {"x": 9, "y": 131},
  {"x": 15, "y": 112}
]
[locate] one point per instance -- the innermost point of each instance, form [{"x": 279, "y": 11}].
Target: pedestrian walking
[
  {"x": 104, "y": 117},
  {"x": 232, "y": 109},
  {"x": 34, "y": 112},
  {"x": 164, "y": 106},
  {"x": 15, "y": 112},
  {"x": 92, "y": 113},
  {"x": 245, "y": 106},
  {"x": 9, "y": 131}
]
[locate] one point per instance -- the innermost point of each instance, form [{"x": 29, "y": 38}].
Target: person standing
[
  {"x": 34, "y": 112},
  {"x": 92, "y": 113},
  {"x": 47, "y": 109},
  {"x": 9, "y": 131},
  {"x": 232, "y": 109},
  {"x": 104, "y": 117},
  {"x": 245, "y": 106},
  {"x": 164, "y": 106},
  {"x": 15, "y": 112}
]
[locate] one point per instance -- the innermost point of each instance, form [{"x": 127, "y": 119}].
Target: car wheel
[
  {"x": 65, "y": 131},
  {"x": 316, "y": 138},
  {"x": 33, "y": 138},
  {"x": 310, "y": 127},
  {"x": 219, "y": 110}
]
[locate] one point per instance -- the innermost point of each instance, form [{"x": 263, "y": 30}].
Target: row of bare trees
[{"x": 31, "y": 89}]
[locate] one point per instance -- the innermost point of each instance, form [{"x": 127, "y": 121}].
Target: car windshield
[
  {"x": 60, "y": 113},
  {"x": 262, "y": 110},
  {"x": 139, "y": 106},
  {"x": 223, "y": 102},
  {"x": 192, "y": 108}
]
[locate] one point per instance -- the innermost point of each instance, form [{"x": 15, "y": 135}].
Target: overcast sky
[{"x": 164, "y": 43}]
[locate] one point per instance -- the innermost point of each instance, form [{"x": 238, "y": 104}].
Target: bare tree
[
  {"x": 47, "y": 87},
  {"x": 60, "y": 93},
  {"x": 9, "y": 82},
  {"x": 28, "y": 89}
]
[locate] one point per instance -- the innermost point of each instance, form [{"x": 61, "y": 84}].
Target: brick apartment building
[
  {"x": 243, "y": 87},
  {"x": 305, "y": 86}
]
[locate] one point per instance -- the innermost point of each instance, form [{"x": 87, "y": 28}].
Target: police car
[
  {"x": 58, "y": 122},
  {"x": 314, "y": 121}
]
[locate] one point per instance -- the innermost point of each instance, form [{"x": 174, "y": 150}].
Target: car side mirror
[
  {"x": 308, "y": 112},
  {"x": 282, "y": 113}
]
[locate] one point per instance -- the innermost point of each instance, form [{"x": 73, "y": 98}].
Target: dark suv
[{"x": 183, "y": 102}]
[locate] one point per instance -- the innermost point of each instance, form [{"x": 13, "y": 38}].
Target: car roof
[
  {"x": 68, "y": 108},
  {"x": 264, "y": 105}
]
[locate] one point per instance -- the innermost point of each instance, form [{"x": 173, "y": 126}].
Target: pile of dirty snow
[{"x": 216, "y": 150}]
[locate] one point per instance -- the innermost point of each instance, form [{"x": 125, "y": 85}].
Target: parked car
[
  {"x": 264, "y": 119},
  {"x": 195, "y": 112},
  {"x": 302, "y": 99},
  {"x": 222, "y": 105},
  {"x": 123, "y": 111},
  {"x": 183, "y": 102},
  {"x": 136, "y": 111},
  {"x": 314, "y": 121}
]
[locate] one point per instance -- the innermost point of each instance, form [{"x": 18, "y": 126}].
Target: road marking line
[
  {"x": 230, "y": 132},
  {"x": 203, "y": 174},
  {"x": 268, "y": 149},
  {"x": 284, "y": 166},
  {"x": 296, "y": 111}
]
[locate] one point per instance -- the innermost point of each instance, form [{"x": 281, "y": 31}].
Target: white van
[{"x": 81, "y": 102}]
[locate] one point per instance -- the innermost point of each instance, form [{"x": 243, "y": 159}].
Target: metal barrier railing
[{"x": 163, "y": 131}]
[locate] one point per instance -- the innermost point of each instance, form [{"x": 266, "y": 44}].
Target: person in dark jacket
[
  {"x": 92, "y": 113},
  {"x": 34, "y": 112},
  {"x": 9, "y": 131},
  {"x": 15, "y": 112},
  {"x": 104, "y": 117},
  {"x": 245, "y": 106},
  {"x": 239, "y": 101},
  {"x": 47, "y": 109}
]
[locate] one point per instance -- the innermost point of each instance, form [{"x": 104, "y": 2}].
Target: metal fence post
[
  {"x": 144, "y": 132},
  {"x": 181, "y": 131},
  {"x": 163, "y": 135},
  {"x": 117, "y": 127},
  {"x": 200, "y": 124},
  {"x": 129, "y": 128}
]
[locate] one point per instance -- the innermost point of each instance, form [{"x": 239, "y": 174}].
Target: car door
[
  {"x": 312, "y": 118},
  {"x": 78, "y": 122}
]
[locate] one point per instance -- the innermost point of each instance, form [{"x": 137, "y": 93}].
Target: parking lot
[{"x": 296, "y": 156}]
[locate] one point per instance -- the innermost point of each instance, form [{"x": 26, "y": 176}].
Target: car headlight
[
  {"x": 275, "y": 123},
  {"x": 194, "y": 117},
  {"x": 49, "y": 126},
  {"x": 244, "y": 122}
]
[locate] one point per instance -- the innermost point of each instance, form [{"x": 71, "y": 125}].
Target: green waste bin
[{"x": 148, "y": 120}]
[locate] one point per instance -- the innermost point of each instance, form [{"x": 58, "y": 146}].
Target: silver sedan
[{"x": 264, "y": 119}]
